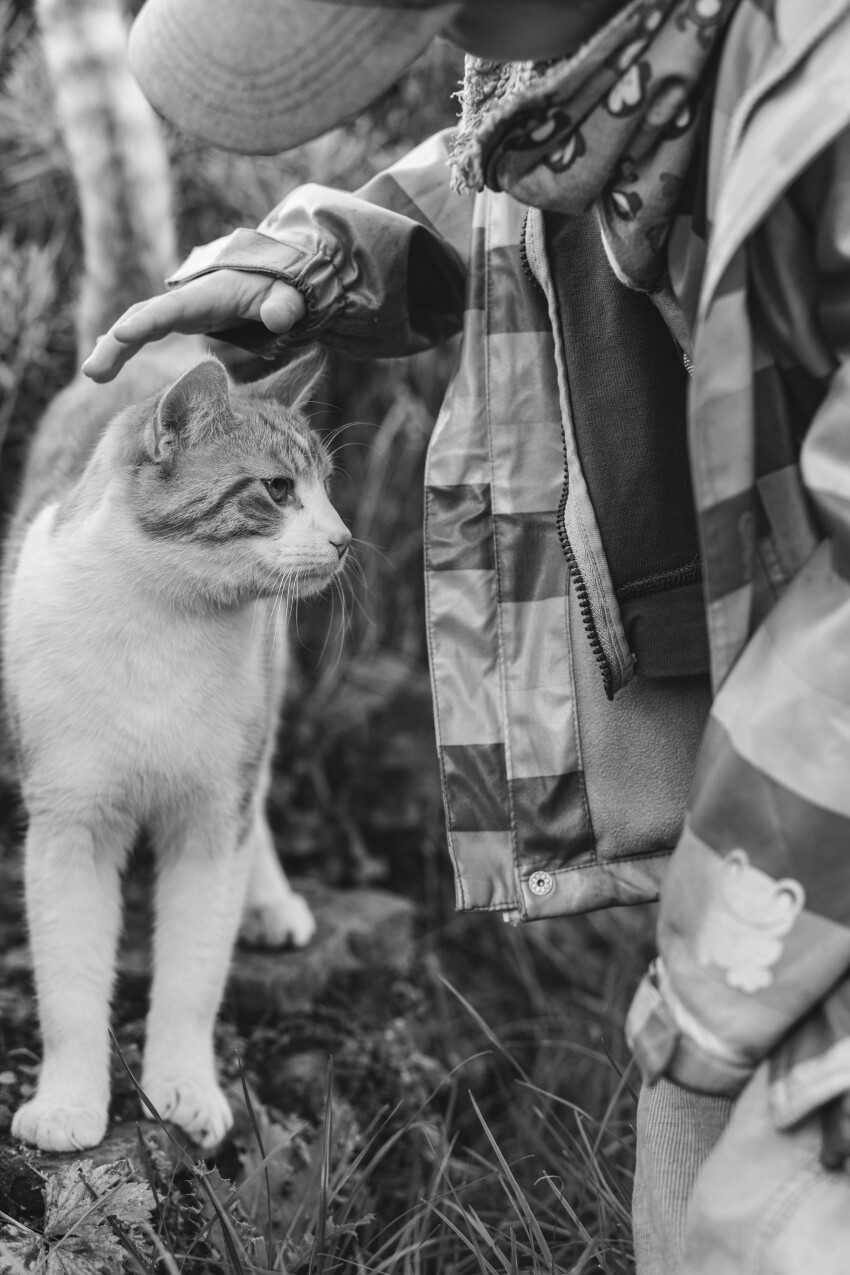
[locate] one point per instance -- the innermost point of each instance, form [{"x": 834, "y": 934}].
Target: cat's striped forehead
[{"x": 269, "y": 432}]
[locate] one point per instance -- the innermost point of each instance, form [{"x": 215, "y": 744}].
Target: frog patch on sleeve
[{"x": 746, "y": 921}]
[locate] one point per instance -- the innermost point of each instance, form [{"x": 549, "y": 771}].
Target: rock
[
  {"x": 356, "y": 930},
  {"x": 120, "y": 1144}
]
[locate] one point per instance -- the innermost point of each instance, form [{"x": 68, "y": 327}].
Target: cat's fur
[{"x": 142, "y": 653}]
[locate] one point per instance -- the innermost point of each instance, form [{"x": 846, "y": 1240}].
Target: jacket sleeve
[
  {"x": 381, "y": 270},
  {"x": 754, "y": 927}
]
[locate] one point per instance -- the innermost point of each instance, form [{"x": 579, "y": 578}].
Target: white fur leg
[
  {"x": 274, "y": 915},
  {"x": 199, "y": 894},
  {"x": 196, "y": 1103},
  {"x": 74, "y": 907},
  {"x": 60, "y": 1126}
]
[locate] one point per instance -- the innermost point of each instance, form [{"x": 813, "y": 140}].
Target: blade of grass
[
  {"x": 165, "y": 1256},
  {"x": 231, "y": 1239},
  {"x": 319, "y": 1252},
  {"x": 147, "y": 1163},
  {"x": 256, "y": 1127},
  {"x": 592, "y": 1245},
  {"x": 466, "y": 1241},
  {"x": 524, "y": 1211},
  {"x": 623, "y": 1074},
  {"x": 485, "y": 1027}
]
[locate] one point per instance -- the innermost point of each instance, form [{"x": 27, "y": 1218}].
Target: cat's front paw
[
  {"x": 197, "y": 1104},
  {"x": 284, "y": 922},
  {"x": 57, "y": 1126}
]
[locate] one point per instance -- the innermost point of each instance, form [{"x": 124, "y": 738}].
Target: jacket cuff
[
  {"x": 662, "y": 1047},
  {"x": 799, "y": 1086},
  {"x": 309, "y": 270}
]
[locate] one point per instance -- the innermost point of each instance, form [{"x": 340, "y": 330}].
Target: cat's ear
[
  {"x": 294, "y": 385},
  {"x": 194, "y": 406}
]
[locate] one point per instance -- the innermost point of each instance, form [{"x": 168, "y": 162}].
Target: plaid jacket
[
  {"x": 754, "y": 931},
  {"x": 557, "y": 799}
]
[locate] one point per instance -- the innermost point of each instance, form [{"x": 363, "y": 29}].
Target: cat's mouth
[{"x": 310, "y": 580}]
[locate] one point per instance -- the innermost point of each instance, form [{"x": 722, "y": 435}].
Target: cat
[{"x": 163, "y": 521}]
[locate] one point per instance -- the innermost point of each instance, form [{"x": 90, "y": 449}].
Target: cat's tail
[{"x": 117, "y": 156}]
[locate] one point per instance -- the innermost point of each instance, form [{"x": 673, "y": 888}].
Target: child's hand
[
  {"x": 213, "y": 301},
  {"x": 835, "y": 1126}
]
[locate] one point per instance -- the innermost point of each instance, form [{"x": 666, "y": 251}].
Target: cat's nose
[{"x": 340, "y": 541}]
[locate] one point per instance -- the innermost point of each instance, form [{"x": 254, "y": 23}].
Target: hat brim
[{"x": 261, "y": 76}]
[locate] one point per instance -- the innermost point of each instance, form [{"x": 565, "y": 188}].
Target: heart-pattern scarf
[{"x": 611, "y": 128}]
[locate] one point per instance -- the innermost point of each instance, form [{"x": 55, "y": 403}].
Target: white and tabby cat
[{"x": 162, "y": 519}]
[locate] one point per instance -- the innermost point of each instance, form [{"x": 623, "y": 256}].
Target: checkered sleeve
[
  {"x": 754, "y": 929},
  {"x": 381, "y": 270}
]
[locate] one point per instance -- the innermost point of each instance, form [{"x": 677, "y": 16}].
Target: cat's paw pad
[
  {"x": 58, "y": 1126},
  {"x": 286, "y": 922},
  {"x": 194, "y": 1103}
]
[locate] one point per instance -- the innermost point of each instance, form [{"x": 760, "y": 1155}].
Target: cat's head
[{"x": 229, "y": 486}]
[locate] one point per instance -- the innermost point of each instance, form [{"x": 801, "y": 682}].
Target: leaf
[
  {"x": 66, "y": 1199},
  {"x": 131, "y": 1204},
  {"x": 84, "y": 1206},
  {"x": 228, "y": 1230},
  {"x": 93, "y": 1255},
  {"x": 81, "y": 1196},
  {"x": 16, "y": 1256}
]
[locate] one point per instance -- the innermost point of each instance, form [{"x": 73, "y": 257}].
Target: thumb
[{"x": 282, "y": 308}]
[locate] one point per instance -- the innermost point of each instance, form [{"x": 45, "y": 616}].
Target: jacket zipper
[
  {"x": 675, "y": 578},
  {"x": 585, "y": 605}
]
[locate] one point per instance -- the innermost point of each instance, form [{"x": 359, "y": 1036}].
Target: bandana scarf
[{"x": 611, "y": 128}]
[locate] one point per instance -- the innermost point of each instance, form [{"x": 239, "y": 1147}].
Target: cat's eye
[{"x": 280, "y": 489}]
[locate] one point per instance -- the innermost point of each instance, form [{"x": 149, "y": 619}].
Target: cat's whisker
[
  {"x": 318, "y": 403},
  {"x": 346, "y": 613},
  {"x": 329, "y": 627},
  {"x": 358, "y": 574},
  {"x": 341, "y": 630},
  {"x": 296, "y": 600},
  {"x": 376, "y": 549},
  {"x": 358, "y": 602},
  {"x": 369, "y": 447},
  {"x": 282, "y": 602},
  {"x": 333, "y": 435}
]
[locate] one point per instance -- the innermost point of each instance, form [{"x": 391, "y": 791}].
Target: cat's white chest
[{"x": 110, "y": 677}]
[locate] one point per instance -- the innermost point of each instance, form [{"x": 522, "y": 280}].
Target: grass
[
  {"x": 478, "y": 1114},
  {"x": 558, "y": 1203}
]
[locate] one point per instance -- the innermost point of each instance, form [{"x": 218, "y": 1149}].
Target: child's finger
[
  {"x": 107, "y": 358},
  {"x": 183, "y": 310},
  {"x": 282, "y": 308}
]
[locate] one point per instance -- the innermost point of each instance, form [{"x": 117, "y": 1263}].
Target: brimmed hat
[{"x": 259, "y": 76}]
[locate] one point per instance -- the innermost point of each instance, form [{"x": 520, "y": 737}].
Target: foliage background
[{"x": 522, "y": 1159}]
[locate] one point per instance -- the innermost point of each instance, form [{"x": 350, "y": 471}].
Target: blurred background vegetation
[{"x": 522, "y": 1158}]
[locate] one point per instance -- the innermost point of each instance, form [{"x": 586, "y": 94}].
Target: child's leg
[
  {"x": 676, "y": 1131},
  {"x": 763, "y": 1201}
]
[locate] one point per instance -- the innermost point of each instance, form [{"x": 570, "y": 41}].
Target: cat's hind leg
[
  {"x": 202, "y": 874},
  {"x": 73, "y": 897},
  {"x": 274, "y": 915}
]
